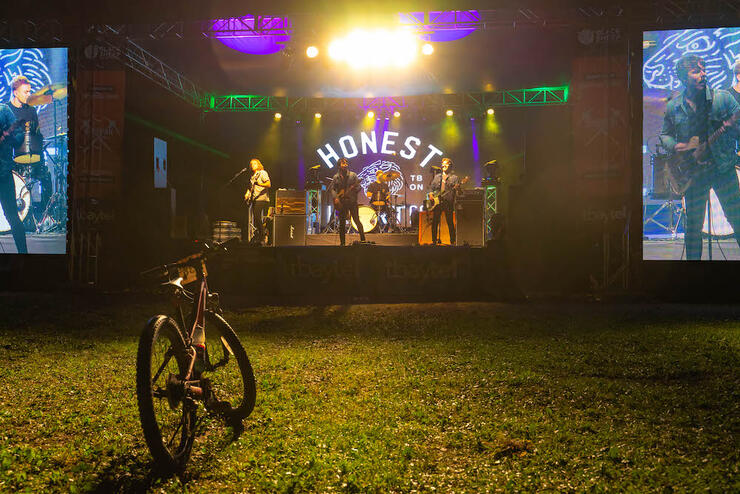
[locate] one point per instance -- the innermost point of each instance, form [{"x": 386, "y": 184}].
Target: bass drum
[
  {"x": 23, "y": 199},
  {"x": 368, "y": 219}
]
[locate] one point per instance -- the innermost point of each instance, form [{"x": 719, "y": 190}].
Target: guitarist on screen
[
  {"x": 258, "y": 198},
  {"x": 699, "y": 130},
  {"x": 11, "y": 136},
  {"x": 344, "y": 187},
  {"x": 446, "y": 186}
]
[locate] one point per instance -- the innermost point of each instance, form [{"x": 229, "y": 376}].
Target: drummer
[
  {"x": 22, "y": 105},
  {"x": 379, "y": 194}
]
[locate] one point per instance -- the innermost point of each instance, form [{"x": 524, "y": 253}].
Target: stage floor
[
  {"x": 391, "y": 239},
  {"x": 38, "y": 243},
  {"x": 672, "y": 250}
]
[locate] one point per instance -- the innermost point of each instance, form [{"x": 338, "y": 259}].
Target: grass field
[{"x": 390, "y": 398}]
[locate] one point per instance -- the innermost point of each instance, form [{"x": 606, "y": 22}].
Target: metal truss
[
  {"x": 544, "y": 96},
  {"x": 140, "y": 60},
  {"x": 491, "y": 207},
  {"x": 313, "y": 209},
  {"x": 48, "y": 31}
]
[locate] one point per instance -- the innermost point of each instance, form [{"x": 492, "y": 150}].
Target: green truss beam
[{"x": 541, "y": 96}]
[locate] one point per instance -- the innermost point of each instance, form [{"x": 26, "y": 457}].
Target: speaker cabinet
[
  {"x": 425, "y": 228},
  {"x": 289, "y": 229},
  {"x": 470, "y": 222}
]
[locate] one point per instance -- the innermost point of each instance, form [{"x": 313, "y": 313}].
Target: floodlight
[
  {"x": 312, "y": 51},
  {"x": 427, "y": 49},
  {"x": 278, "y": 116},
  {"x": 490, "y": 111},
  {"x": 449, "y": 113}
]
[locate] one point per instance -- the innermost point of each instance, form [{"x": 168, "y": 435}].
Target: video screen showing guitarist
[
  {"x": 258, "y": 197},
  {"x": 445, "y": 186},
  {"x": 699, "y": 131},
  {"x": 12, "y": 136},
  {"x": 344, "y": 188}
]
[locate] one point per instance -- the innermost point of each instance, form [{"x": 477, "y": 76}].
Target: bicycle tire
[
  {"x": 159, "y": 419},
  {"x": 225, "y": 379}
]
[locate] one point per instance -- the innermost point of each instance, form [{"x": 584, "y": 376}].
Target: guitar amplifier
[
  {"x": 290, "y": 201},
  {"x": 289, "y": 229},
  {"x": 470, "y": 224}
]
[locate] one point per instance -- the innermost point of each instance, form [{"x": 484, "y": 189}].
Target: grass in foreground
[{"x": 442, "y": 397}]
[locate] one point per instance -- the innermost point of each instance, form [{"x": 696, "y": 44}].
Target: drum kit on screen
[{"x": 40, "y": 176}]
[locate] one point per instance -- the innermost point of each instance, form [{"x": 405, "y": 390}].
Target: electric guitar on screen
[
  {"x": 433, "y": 198},
  {"x": 684, "y": 166}
]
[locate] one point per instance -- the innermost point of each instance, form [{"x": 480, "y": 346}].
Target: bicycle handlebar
[{"x": 208, "y": 250}]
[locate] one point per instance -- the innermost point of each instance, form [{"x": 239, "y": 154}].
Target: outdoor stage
[
  {"x": 382, "y": 273},
  {"x": 673, "y": 250}
]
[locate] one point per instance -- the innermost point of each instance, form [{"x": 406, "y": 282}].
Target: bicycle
[{"x": 177, "y": 370}]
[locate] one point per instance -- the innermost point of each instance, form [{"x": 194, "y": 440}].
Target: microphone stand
[{"x": 234, "y": 178}]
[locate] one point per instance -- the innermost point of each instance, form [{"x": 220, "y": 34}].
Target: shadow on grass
[{"x": 129, "y": 473}]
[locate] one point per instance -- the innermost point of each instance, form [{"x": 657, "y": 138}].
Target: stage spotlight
[
  {"x": 381, "y": 48},
  {"x": 317, "y": 115},
  {"x": 427, "y": 49},
  {"x": 449, "y": 113},
  {"x": 490, "y": 111},
  {"x": 396, "y": 113},
  {"x": 312, "y": 51},
  {"x": 371, "y": 114},
  {"x": 278, "y": 116}
]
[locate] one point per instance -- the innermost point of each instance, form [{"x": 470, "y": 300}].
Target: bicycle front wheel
[
  {"x": 167, "y": 415},
  {"x": 228, "y": 369}
]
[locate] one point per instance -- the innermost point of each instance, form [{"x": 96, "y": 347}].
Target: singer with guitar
[
  {"x": 700, "y": 127},
  {"x": 445, "y": 187},
  {"x": 258, "y": 198},
  {"x": 344, "y": 188}
]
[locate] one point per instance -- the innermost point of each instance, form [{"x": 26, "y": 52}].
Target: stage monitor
[{"x": 33, "y": 152}]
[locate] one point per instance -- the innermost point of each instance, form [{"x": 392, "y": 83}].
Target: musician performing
[
  {"x": 16, "y": 119},
  {"x": 699, "y": 131},
  {"x": 445, "y": 187},
  {"x": 380, "y": 197},
  {"x": 344, "y": 187},
  {"x": 258, "y": 199}
]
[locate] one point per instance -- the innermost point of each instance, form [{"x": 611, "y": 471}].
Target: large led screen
[
  {"x": 33, "y": 152},
  {"x": 690, "y": 191}
]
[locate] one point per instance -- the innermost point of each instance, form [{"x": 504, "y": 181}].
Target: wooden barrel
[{"x": 225, "y": 230}]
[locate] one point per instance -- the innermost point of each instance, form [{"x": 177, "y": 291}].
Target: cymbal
[
  {"x": 51, "y": 88},
  {"x": 37, "y": 99},
  {"x": 60, "y": 93},
  {"x": 391, "y": 175}
]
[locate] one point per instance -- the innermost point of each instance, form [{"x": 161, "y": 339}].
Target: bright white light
[
  {"x": 278, "y": 116},
  {"x": 381, "y": 48},
  {"x": 396, "y": 113},
  {"x": 317, "y": 115},
  {"x": 490, "y": 111},
  {"x": 312, "y": 51},
  {"x": 427, "y": 49},
  {"x": 371, "y": 114},
  {"x": 450, "y": 113}
]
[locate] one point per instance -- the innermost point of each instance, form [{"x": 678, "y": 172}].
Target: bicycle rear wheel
[
  {"x": 229, "y": 371},
  {"x": 167, "y": 415}
]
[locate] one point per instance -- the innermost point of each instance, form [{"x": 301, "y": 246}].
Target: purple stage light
[
  {"x": 448, "y": 25},
  {"x": 262, "y": 35}
]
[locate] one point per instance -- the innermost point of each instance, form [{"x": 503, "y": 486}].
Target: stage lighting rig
[
  {"x": 312, "y": 52},
  {"x": 492, "y": 173}
]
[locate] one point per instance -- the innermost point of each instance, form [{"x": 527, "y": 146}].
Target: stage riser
[{"x": 333, "y": 274}]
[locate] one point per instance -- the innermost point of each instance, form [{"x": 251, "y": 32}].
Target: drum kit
[
  {"x": 380, "y": 213},
  {"x": 41, "y": 190}
]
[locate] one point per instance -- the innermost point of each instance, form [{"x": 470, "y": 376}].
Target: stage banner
[
  {"x": 601, "y": 120},
  {"x": 99, "y": 118}
]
